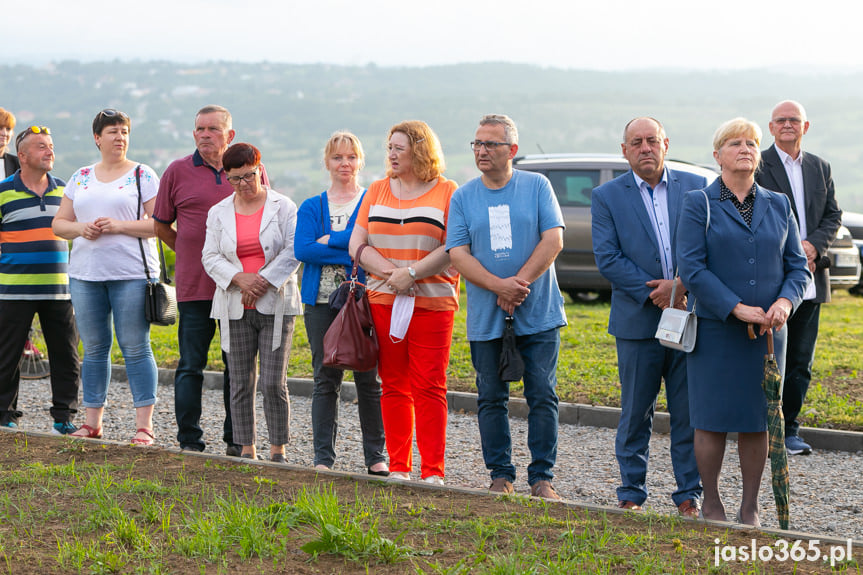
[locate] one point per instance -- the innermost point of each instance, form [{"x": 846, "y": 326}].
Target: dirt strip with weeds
[{"x": 82, "y": 507}]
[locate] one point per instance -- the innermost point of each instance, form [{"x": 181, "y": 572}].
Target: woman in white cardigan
[{"x": 249, "y": 253}]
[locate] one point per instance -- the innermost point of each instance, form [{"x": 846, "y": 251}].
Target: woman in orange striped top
[{"x": 403, "y": 220}]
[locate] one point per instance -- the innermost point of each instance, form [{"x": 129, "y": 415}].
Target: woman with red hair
[{"x": 413, "y": 293}]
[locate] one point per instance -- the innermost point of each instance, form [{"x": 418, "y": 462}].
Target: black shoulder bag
[{"x": 161, "y": 298}]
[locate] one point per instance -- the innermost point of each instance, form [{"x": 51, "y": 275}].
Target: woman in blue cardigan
[
  {"x": 742, "y": 265},
  {"x": 324, "y": 226}
]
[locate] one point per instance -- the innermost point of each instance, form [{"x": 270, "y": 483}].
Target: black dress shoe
[
  {"x": 382, "y": 473},
  {"x": 233, "y": 450}
]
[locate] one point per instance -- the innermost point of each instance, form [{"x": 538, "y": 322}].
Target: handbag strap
[
  {"x": 354, "y": 269},
  {"x": 163, "y": 267},
  {"x": 138, "y": 217},
  {"x": 706, "y": 227}
]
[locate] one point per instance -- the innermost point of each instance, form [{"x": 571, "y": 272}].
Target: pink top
[
  {"x": 187, "y": 191},
  {"x": 249, "y": 248}
]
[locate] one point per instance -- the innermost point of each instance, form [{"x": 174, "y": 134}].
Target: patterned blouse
[{"x": 744, "y": 207}]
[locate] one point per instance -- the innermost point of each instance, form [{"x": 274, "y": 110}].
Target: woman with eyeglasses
[
  {"x": 413, "y": 293},
  {"x": 739, "y": 253},
  {"x": 106, "y": 211},
  {"x": 324, "y": 226},
  {"x": 249, "y": 253}
]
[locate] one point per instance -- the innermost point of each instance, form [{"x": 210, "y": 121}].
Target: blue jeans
[
  {"x": 539, "y": 352},
  {"x": 194, "y": 334},
  {"x": 95, "y": 303}
]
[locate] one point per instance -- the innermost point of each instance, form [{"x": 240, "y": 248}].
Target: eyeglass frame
[
  {"x": 248, "y": 177},
  {"x": 793, "y": 120},
  {"x": 477, "y": 145},
  {"x": 31, "y": 130}
]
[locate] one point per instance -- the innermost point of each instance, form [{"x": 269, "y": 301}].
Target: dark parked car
[{"x": 574, "y": 176}]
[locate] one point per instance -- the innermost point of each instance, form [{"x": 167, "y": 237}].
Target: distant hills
[{"x": 289, "y": 110}]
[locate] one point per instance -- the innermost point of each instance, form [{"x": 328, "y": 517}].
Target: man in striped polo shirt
[{"x": 33, "y": 280}]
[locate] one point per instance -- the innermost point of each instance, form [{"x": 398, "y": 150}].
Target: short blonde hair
[
  {"x": 736, "y": 128},
  {"x": 427, "y": 160},
  {"x": 343, "y": 137}
]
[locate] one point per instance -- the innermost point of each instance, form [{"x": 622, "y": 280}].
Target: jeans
[
  {"x": 95, "y": 303},
  {"x": 61, "y": 341},
  {"x": 539, "y": 352},
  {"x": 325, "y": 399},
  {"x": 802, "y": 333},
  {"x": 194, "y": 334}
]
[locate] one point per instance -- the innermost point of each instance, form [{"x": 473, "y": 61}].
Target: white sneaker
[
  {"x": 433, "y": 479},
  {"x": 400, "y": 475}
]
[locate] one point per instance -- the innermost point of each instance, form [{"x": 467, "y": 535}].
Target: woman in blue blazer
[
  {"x": 743, "y": 265},
  {"x": 324, "y": 226}
]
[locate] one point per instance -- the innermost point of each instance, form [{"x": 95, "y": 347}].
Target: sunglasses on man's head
[{"x": 31, "y": 130}]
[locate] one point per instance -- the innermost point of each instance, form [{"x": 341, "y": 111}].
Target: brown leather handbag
[{"x": 350, "y": 341}]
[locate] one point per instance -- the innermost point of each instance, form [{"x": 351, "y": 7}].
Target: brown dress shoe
[
  {"x": 688, "y": 508},
  {"x": 544, "y": 489},
  {"x": 501, "y": 485},
  {"x": 630, "y": 505}
]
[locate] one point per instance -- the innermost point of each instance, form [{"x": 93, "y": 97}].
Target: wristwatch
[{"x": 413, "y": 273}]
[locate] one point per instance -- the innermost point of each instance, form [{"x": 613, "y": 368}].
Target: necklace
[{"x": 399, "y": 198}]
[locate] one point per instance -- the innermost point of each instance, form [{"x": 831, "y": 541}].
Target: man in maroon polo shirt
[{"x": 188, "y": 189}]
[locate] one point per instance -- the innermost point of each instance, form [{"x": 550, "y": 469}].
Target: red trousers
[{"x": 413, "y": 385}]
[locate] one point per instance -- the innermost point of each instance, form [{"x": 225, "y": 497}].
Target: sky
[{"x": 569, "y": 34}]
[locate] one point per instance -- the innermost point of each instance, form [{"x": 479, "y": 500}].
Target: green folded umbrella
[{"x": 771, "y": 382}]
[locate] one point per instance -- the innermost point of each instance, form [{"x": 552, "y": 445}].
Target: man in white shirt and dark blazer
[{"x": 807, "y": 181}]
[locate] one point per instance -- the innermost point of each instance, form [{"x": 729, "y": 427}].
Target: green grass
[{"x": 587, "y": 366}]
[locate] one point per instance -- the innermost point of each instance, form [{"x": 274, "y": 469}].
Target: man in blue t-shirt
[{"x": 504, "y": 231}]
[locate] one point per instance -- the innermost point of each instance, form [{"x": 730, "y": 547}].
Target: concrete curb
[{"x": 569, "y": 413}]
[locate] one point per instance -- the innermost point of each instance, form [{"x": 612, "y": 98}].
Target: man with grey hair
[
  {"x": 807, "y": 181},
  {"x": 634, "y": 225},
  {"x": 504, "y": 231},
  {"x": 188, "y": 189}
]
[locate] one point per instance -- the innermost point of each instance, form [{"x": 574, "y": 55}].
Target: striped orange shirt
[{"x": 405, "y": 232}]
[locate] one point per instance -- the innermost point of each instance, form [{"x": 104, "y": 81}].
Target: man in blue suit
[{"x": 634, "y": 220}]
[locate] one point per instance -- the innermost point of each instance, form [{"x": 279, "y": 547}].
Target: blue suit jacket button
[
  {"x": 752, "y": 260},
  {"x": 752, "y": 282}
]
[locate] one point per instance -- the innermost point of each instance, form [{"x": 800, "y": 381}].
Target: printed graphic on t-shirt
[
  {"x": 500, "y": 230},
  {"x": 332, "y": 277},
  {"x": 339, "y": 222}
]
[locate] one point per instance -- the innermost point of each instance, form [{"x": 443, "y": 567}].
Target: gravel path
[{"x": 825, "y": 492}]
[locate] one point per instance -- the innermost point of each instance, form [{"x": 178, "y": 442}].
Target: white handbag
[{"x": 677, "y": 327}]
